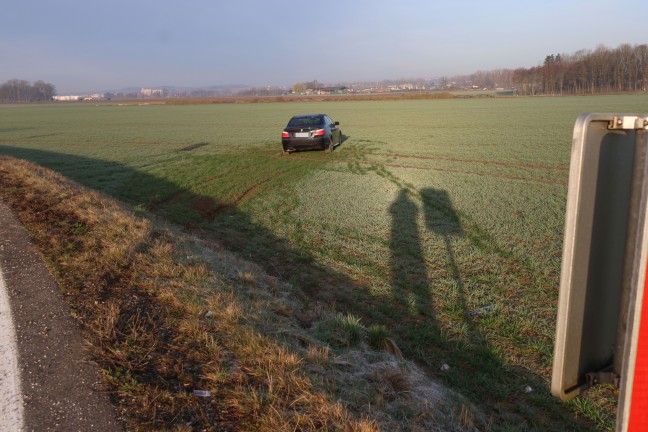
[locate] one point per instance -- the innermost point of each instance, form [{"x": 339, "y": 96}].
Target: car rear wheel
[{"x": 330, "y": 146}]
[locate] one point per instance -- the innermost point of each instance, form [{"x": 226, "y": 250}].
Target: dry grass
[{"x": 165, "y": 314}]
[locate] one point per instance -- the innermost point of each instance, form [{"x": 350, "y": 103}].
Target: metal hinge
[{"x": 628, "y": 123}]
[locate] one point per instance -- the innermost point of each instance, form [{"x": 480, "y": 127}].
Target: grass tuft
[
  {"x": 378, "y": 338},
  {"x": 341, "y": 330}
]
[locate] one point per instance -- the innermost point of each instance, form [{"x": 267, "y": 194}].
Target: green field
[{"x": 429, "y": 210}]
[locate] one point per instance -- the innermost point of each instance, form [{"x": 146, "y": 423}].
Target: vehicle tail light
[
  {"x": 319, "y": 132},
  {"x": 285, "y": 134}
]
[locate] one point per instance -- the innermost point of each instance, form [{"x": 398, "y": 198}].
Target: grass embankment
[{"x": 165, "y": 314}]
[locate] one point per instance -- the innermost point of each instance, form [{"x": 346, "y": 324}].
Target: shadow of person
[
  {"x": 430, "y": 314},
  {"x": 442, "y": 219},
  {"x": 409, "y": 280}
]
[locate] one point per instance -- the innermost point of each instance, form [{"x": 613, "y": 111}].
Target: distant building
[
  {"x": 327, "y": 90},
  {"x": 150, "y": 92},
  {"x": 78, "y": 98},
  {"x": 67, "y": 98}
]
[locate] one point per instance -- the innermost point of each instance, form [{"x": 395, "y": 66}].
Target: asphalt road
[{"x": 48, "y": 381}]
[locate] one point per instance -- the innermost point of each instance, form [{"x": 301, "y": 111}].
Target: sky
[{"x": 92, "y": 46}]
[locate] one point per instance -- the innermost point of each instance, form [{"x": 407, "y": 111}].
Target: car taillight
[
  {"x": 319, "y": 132},
  {"x": 285, "y": 134}
]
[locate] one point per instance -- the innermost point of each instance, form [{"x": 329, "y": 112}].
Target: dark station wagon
[{"x": 311, "y": 131}]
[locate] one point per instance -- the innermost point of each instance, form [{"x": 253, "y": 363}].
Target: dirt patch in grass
[
  {"x": 156, "y": 204},
  {"x": 209, "y": 208},
  {"x": 193, "y": 146}
]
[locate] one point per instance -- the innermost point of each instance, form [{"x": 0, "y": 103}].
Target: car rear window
[{"x": 305, "y": 121}]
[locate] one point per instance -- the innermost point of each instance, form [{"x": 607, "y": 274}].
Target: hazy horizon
[{"x": 83, "y": 47}]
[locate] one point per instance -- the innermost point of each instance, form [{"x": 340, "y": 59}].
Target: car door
[{"x": 335, "y": 130}]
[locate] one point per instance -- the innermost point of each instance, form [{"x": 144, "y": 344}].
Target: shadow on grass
[
  {"x": 410, "y": 284},
  {"x": 477, "y": 368},
  {"x": 416, "y": 292},
  {"x": 477, "y": 371},
  {"x": 442, "y": 219}
]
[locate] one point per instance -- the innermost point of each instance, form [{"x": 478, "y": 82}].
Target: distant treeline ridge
[
  {"x": 603, "y": 70},
  {"x": 21, "y": 91}
]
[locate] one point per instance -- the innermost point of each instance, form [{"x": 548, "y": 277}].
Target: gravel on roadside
[{"x": 61, "y": 388}]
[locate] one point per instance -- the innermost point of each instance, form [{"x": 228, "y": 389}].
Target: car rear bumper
[{"x": 304, "y": 144}]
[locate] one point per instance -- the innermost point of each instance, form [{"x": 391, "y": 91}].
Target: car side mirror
[{"x": 337, "y": 123}]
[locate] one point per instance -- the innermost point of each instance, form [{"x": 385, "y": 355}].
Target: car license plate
[{"x": 302, "y": 134}]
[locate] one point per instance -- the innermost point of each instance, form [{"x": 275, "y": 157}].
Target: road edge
[
  {"x": 11, "y": 399},
  {"x": 61, "y": 386}
]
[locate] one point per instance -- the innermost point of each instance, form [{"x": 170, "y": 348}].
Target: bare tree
[
  {"x": 313, "y": 84},
  {"x": 21, "y": 91},
  {"x": 585, "y": 72},
  {"x": 299, "y": 87},
  {"x": 43, "y": 91}
]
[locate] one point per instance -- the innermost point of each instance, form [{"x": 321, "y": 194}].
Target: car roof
[{"x": 308, "y": 115}]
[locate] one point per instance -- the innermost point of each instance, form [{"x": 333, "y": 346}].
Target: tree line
[
  {"x": 603, "y": 70},
  {"x": 22, "y": 91}
]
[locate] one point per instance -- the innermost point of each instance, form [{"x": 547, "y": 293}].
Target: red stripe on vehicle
[{"x": 639, "y": 400}]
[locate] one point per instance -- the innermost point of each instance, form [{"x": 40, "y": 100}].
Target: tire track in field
[
  {"x": 209, "y": 207},
  {"x": 269, "y": 151},
  {"x": 266, "y": 152},
  {"x": 477, "y": 161},
  {"x": 477, "y": 173},
  {"x": 559, "y": 168},
  {"x": 395, "y": 165}
]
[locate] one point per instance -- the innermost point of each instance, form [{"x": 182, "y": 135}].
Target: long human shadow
[
  {"x": 442, "y": 219},
  {"x": 476, "y": 367},
  {"x": 419, "y": 337},
  {"x": 410, "y": 284}
]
